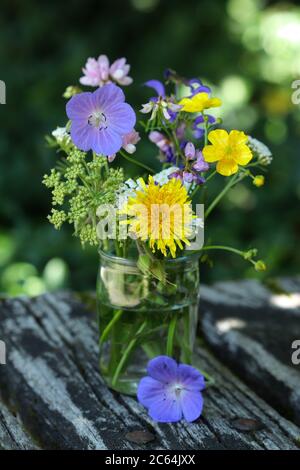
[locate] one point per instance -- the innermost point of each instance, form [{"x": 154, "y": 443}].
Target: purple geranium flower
[
  {"x": 171, "y": 391},
  {"x": 99, "y": 120}
]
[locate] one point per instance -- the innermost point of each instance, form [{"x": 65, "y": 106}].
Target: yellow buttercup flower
[
  {"x": 199, "y": 102},
  {"x": 160, "y": 214},
  {"x": 229, "y": 150}
]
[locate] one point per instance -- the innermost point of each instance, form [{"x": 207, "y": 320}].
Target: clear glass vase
[{"x": 140, "y": 318}]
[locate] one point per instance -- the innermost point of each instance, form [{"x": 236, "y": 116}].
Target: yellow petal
[
  {"x": 218, "y": 137},
  {"x": 243, "y": 155},
  {"x": 211, "y": 154},
  {"x": 237, "y": 138},
  {"x": 213, "y": 103},
  {"x": 227, "y": 167},
  {"x": 187, "y": 105}
]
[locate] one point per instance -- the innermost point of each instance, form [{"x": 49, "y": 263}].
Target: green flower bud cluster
[
  {"x": 259, "y": 265},
  {"x": 79, "y": 186},
  {"x": 57, "y": 218}
]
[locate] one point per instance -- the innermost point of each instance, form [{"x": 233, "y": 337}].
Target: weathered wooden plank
[
  {"x": 12, "y": 434},
  {"x": 52, "y": 381},
  {"x": 252, "y": 327}
]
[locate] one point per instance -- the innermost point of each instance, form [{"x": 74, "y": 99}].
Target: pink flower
[
  {"x": 119, "y": 72},
  {"x": 130, "y": 140},
  {"x": 96, "y": 72}
]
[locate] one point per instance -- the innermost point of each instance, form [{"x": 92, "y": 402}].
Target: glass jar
[{"x": 140, "y": 318}]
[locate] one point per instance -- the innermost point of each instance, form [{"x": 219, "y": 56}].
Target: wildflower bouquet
[{"x": 149, "y": 231}]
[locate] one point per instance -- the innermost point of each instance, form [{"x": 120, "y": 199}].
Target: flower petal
[
  {"x": 191, "y": 405},
  {"x": 218, "y": 137},
  {"x": 106, "y": 142},
  {"x": 227, "y": 167},
  {"x": 107, "y": 96},
  {"x": 81, "y": 134},
  {"x": 166, "y": 410},
  {"x": 80, "y": 106},
  {"x": 243, "y": 155},
  {"x": 157, "y": 86},
  {"x": 190, "y": 377},
  {"x": 125, "y": 81},
  {"x": 238, "y": 137},
  {"x": 163, "y": 368},
  {"x": 150, "y": 391},
  {"x": 121, "y": 118},
  {"x": 213, "y": 103},
  {"x": 211, "y": 153}
]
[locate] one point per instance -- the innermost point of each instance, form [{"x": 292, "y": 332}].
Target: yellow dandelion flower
[
  {"x": 199, "y": 102},
  {"x": 161, "y": 215},
  {"x": 229, "y": 150}
]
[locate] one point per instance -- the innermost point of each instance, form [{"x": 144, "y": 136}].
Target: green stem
[
  {"x": 186, "y": 345},
  {"x": 205, "y": 129},
  {"x": 223, "y": 247},
  {"x": 227, "y": 248},
  {"x": 126, "y": 354},
  {"x": 136, "y": 162},
  {"x": 178, "y": 150},
  {"x": 109, "y": 326},
  {"x": 234, "y": 180},
  {"x": 210, "y": 176},
  {"x": 170, "y": 339}
]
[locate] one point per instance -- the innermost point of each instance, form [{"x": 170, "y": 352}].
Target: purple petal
[
  {"x": 200, "y": 120},
  {"x": 106, "y": 142},
  {"x": 121, "y": 118},
  {"x": 150, "y": 391},
  {"x": 190, "y": 377},
  {"x": 157, "y": 86},
  {"x": 199, "y": 179},
  {"x": 81, "y": 134},
  {"x": 80, "y": 106},
  {"x": 200, "y": 164},
  {"x": 191, "y": 405},
  {"x": 173, "y": 115},
  {"x": 198, "y": 133},
  {"x": 166, "y": 410},
  {"x": 107, "y": 96},
  {"x": 163, "y": 368},
  {"x": 201, "y": 89},
  {"x": 189, "y": 150},
  {"x": 187, "y": 177}
]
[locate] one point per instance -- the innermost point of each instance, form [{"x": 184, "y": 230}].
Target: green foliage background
[{"x": 247, "y": 49}]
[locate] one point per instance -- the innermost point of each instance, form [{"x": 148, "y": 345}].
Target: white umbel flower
[
  {"x": 60, "y": 134},
  {"x": 264, "y": 155}
]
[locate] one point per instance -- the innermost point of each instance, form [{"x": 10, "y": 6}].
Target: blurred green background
[{"x": 248, "y": 50}]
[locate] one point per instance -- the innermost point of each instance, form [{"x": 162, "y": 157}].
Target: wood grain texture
[
  {"x": 251, "y": 328},
  {"x": 52, "y": 383}
]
